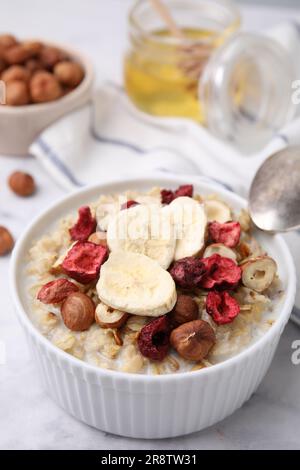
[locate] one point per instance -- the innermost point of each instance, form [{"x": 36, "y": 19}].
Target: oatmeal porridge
[{"x": 160, "y": 282}]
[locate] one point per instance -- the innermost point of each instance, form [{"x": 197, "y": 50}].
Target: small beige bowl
[{"x": 20, "y": 125}]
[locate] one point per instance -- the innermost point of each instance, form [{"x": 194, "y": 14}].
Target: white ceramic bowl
[
  {"x": 143, "y": 406},
  {"x": 20, "y": 125}
]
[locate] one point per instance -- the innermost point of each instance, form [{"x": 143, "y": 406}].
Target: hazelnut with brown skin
[
  {"x": 69, "y": 73},
  {"x": 50, "y": 56},
  {"x": 21, "y": 183},
  {"x": 7, "y": 40},
  {"x": 15, "y": 72},
  {"x": 6, "y": 241},
  {"x": 33, "y": 65},
  {"x": 193, "y": 340},
  {"x": 44, "y": 87},
  {"x": 16, "y": 93},
  {"x": 16, "y": 55},
  {"x": 78, "y": 311},
  {"x": 33, "y": 47},
  {"x": 185, "y": 310}
]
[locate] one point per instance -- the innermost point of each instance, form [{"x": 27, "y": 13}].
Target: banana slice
[
  {"x": 217, "y": 210},
  {"x": 143, "y": 229},
  {"x": 190, "y": 221},
  {"x": 221, "y": 250},
  {"x": 134, "y": 283}
]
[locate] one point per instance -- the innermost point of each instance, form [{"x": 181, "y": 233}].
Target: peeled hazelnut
[
  {"x": 78, "y": 311},
  {"x": 108, "y": 317},
  {"x": 16, "y": 55},
  {"x": 44, "y": 87},
  {"x": 16, "y": 93},
  {"x": 258, "y": 273},
  {"x": 15, "y": 72},
  {"x": 99, "y": 238},
  {"x": 69, "y": 73},
  {"x": 221, "y": 250},
  {"x": 21, "y": 183},
  {"x": 7, "y": 40},
  {"x": 193, "y": 340},
  {"x": 49, "y": 56},
  {"x": 185, "y": 310},
  {"x": 6, "y": 241}
]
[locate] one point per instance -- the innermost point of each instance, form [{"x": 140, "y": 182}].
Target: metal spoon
[{"x": 274, "y": 199}]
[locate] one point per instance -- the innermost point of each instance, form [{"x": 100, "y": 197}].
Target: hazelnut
[
  {"x": 16, "y": 93},
  {"x": 258, "y": 273},
  {"x": 44, "y": 87},
  {"x": 6, "y": 241},
  {"x": 21, "y": 183},
  {"x": 15, "y": 72},
  {"x": 78, "y": 311},
  {"x": 185, "y": 310},
  {"x": 33, "y": 47},
  {"x": 49, "y": 56},
  {"x": 99, "y": 238},
  {"x": 69, "y": 73},
  {"x": 7, "y": 40},
  {"x": 16, "y": 55},
  {"x": 193, "y": 340},
  {"x": 33, "y": 65},
  {"x": 107, "y": 317}
]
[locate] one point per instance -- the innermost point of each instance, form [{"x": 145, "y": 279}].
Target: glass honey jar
[{"x": 237, "y": 84}]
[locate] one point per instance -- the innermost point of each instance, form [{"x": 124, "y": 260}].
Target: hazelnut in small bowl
[{"x": 40, "y": 82}]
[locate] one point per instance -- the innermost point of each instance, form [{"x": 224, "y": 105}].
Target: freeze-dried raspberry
[
  {"x": 185, "y": 190},
  {"x": 228, "y": 233},
  {"x": 84, "y": 260},
  {"x": 168, "y": 196},
  {"x": 220, "y": 272},
  {"x": 222, "y": 307},
  {"x": 85, "y": 225},
  {"x": 154, "y": 339},
  {"x": 56, "y": 291},
  {"x": 188, "y": 272},
  {"x": 129, "y": 204}
]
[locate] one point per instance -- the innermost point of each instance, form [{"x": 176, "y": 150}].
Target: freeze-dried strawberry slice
[
  {"x": 85, "y": 225},
  {"x": 128, "y": 204},
  {"x": 222, "y": 307},
  {"x": 228, "y": 233},
  {"x": 188, "y": 272},
  {"x": 168, "y": 196},
  {"x": 154, "y": 339},
  {"x": 186, "y": 190},
  {"x": 220, "y": 272},
  {"x": 84, "y": 260},
  {"x": 56, "y": 291}
]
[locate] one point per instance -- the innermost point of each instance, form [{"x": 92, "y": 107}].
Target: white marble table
[{"x": 28, "y": 418}]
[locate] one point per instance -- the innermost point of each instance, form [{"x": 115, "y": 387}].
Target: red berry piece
[
  {"x": 222, "y": 307},
  {"x": 85, "y": 225},
  {"x": 186, "y": 190},
  {"x": 56, "y": 291},
  {"x": 220, "y": 272},
  {"x": 154, "y": 339},
  {"x": 129, "y": 204},
  {"x": 228, "y": 233},
  {"x": 84, "y": 260},
  {"x": 167, "y": 196},
  {"x": 188, "y": 272}
]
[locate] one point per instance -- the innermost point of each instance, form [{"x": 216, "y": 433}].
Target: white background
[{"x": 28, "y": 418}]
